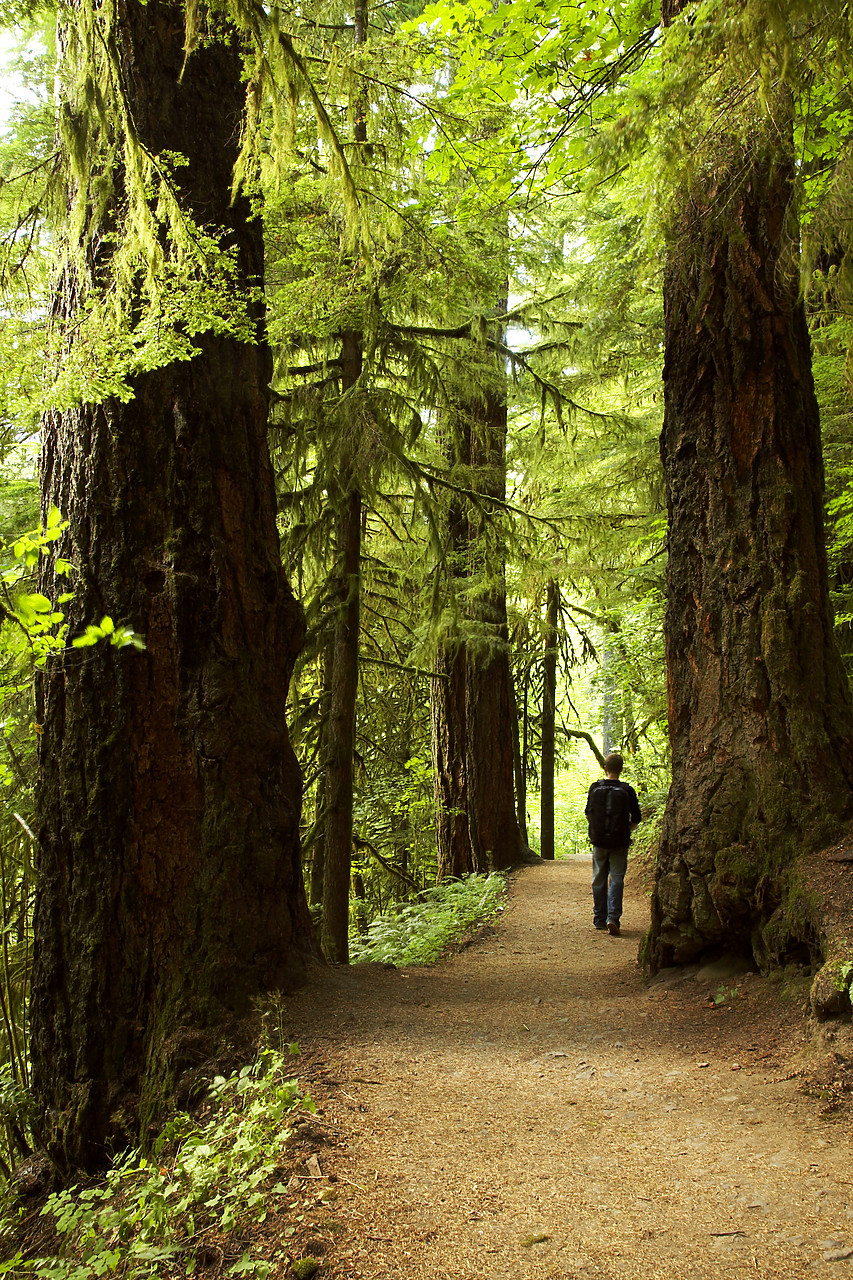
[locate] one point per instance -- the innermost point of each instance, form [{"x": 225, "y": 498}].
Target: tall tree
[
  {"x": 340, "y": 734},
  {"x": 490, "y": 712},
  {"x": 449, "y": 725},
  {"x": 474, "y": 717},
  {"x": 759, "y": 712},
  {"x": 170, "y": 889},
  {"x": 549, "y": 717}
]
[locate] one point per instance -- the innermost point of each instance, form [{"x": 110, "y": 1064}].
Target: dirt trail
[{"x": 531, "y": 1108}]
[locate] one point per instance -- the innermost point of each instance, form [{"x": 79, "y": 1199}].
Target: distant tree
[
  {"x": 170, "y": 885},
  {"x": 549, "y": 719}
]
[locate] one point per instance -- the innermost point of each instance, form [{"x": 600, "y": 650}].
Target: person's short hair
[{"x": 614, "y": 763}]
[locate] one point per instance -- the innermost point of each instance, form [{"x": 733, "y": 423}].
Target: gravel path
[{"x": 531, "y": 1108}]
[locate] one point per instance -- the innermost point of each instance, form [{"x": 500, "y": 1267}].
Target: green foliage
[
  {"x": 206, "y": 1179},
  {"x": 418, "y": 932}
]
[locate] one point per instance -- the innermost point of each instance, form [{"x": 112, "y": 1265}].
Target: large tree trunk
[
  {"x": 549, "y": 702},
  {"x": 759, "y": 713},
  {"x": 474, "y": 716},
  {"x": 496, "y": 840},
  {"x": 170, "y": 887}
]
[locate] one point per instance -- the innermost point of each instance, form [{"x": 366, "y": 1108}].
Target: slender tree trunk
[
  {"x": 448, "y": 724},
  {"x": 359, "y": 894},
  {"x": 609, "y": 704},
  {"x": 759, "y": 711},
  {"x": 318, "y": 860},
  {"x": 549, "y": 703},
  {"x": 341, "y": 734},
  {"x": 518, "y": 767},
  {"x": 170, "y": 886},
  {"x": 525, "y": 731}
]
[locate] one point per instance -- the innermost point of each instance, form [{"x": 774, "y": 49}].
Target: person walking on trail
[{"x": 612, "y": 811}]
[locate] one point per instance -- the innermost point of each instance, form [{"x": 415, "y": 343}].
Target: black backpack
[{"x": 608, "y": 812}]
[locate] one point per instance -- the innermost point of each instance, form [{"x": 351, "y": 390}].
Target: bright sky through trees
[{"x": 12, "y": 88}]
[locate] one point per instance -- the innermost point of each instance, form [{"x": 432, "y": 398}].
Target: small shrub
[{"x": 203, "y": 1179}]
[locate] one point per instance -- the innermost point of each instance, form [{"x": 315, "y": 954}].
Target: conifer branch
[
  {"x": 435, "y": 475},
  {"x": 324, "y": 120},
  {"x": 398, "y": 666},
  {"x": 432, "y": 331}
]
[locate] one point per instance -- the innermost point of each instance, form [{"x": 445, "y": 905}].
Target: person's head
[{"x": 613, "y": 764}]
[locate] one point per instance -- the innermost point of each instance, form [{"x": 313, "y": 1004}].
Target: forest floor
[{"x": 531, "y": 1109}]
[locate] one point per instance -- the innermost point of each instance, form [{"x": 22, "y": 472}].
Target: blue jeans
[{"x": 607, "y": 902}]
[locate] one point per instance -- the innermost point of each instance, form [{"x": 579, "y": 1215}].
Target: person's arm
[{"x": 636, "y": 815}]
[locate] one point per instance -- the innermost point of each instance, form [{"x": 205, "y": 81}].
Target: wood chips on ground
[{"x": 532, "y": 1109}]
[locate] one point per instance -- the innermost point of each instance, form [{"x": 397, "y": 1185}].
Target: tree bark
[
  {"x": 448, "y": 724},
  {"x": 519, "y": 769},
  {"x": 474, "y": 714},
  {"x": 610, "y": 727},
  {"x": 318, "y": 860},
  {"x": 340, "y": 733},
  {"x": 170, "y": 886},
  {"x": 549, "y": 702},
  {"x": 496, "y": 840},
  {"x": 759, "y": 711},
  {"x": 450, "y": 759}
]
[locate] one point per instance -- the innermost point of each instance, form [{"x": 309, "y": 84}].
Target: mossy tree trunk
[
  {"x": 318, "y": 859},
  {"x": 339, "y": 734},
  {"x": 519, "y": 769},
  {"x": 474, "y": 715},
  {"x": 549, "y": 702},
  {"x": 490, "y": 711},
  {"x": 759, "y": 712},
  {"x": 448, "y": 725},
  {"x": 340, "y": 731},
  {"x": 170, "y": 888}
]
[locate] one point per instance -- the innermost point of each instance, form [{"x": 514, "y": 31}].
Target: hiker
[{"x": 613, "y": 811}]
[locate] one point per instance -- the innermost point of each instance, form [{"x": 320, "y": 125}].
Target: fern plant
[
  {"x": 418, "y": 932},
  {"x": 204, "y": 1179}
]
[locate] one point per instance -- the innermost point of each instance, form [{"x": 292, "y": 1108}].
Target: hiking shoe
[
  {"x": 601, "y": 927},
  {"x": 613, "y": 928}
]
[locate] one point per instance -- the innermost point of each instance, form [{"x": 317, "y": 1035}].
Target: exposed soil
[{"x": 532, "y": 1108}]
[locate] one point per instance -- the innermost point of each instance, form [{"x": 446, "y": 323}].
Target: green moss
[
  {"x": 792, "y": 928},
  {"x": 832, "y": 989},
  {"x": 305, "y": 1268},
  {"x": 736, "y": 865}
]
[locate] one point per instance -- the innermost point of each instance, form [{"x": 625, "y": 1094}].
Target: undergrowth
[
  {"x": 204, "y": 1183},
  {"x": 418, "y": 932}
]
